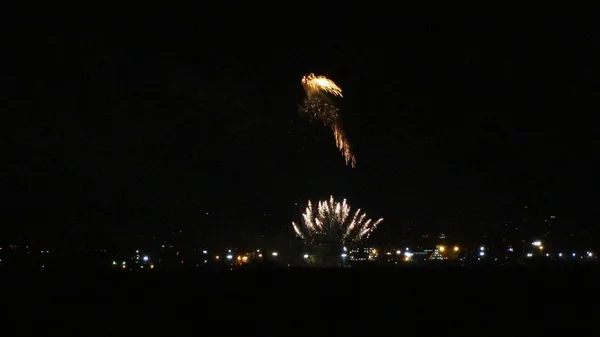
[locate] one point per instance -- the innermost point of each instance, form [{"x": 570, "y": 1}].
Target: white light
[
  {"x": 529, "y": 255},
  {"x": 537, "y": 243},
  {"x": 306, "y": 256},
  {"x": 560, "y": 254},
  {"x": 145, "y": 258},
  {"x": 547, "y": 254},
  {"x": 275, "y": 254},
  {"x": 344, "y": 255},
  {"x": 481, "y": 253},
  {"x": 482, "y": 248},
  {"x": 398, "y": 252},
  {"x": 229, "y": 251},
  {"x": 123, "y": 263},
  {"x": 345, "y": 249},
  {"x": 229, "y": 257},
  {"x": 590, "y": 254},
  {"x": 114, "y": 263},
  {"x": 204, "y": 252},
  {"x": 408, "y": 254},
  {"x": 137, "y": 251},
  {"x": 510, "y": 249},
  {"x": 573, "y": 254}
]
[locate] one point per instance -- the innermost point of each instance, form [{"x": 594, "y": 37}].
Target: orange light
[{"x": 151, "y": 266}]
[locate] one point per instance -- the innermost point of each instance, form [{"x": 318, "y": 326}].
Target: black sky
[{"x": 124, "y": 124}]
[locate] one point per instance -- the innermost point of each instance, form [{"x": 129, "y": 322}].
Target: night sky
[{"x": 115, "y": 126}]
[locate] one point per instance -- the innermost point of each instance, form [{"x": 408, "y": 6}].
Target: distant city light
[
  {"x": 482, "y": 248},
  {"x": 442, "y": 249},
  {"x": 137, "y": 251},
  {"x": 481, "y": 253},
  {"x": 510, "y": 249},
  {"x": 398, "y": 252},
  {"x": 344, "y": 255},
  {"x": 456, "y": 248},
  {"x": 306, "y": 256},
  {"x": 229, "y": 257},
  {"x": 114, "y": 263},
  {"x": 123, "y": 263},
  {"x": 529, "y": 254},
  {"x": 345, "y": 249},
  {"x": 275, "y": 254},
  {"x": 573, "y": 254},
  {"x": 590, "y": 254},
  {"x": 537, "y": 243},
  {"x": 559, "y": 254},
  {"x": 151, "y": 266},
  {"x": 145, "y": 258},
  {"x": 204, "y": 252}
]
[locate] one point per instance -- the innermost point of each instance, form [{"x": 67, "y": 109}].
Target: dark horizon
[{"x": 118, "y": 128}]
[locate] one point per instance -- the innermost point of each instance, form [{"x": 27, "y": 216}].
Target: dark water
[{"x": 300, "y": 302}]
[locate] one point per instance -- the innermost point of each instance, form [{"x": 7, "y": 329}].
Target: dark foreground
[{"x": 285, "y": 302}]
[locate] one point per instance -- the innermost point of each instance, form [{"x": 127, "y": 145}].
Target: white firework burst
[{"x": 332, "y": 223}]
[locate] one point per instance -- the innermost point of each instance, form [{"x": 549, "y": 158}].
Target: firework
[
  {"x": 343, "y": 145},
  {"x": 332, "y": 224},
  {"x": 313, "y": 84},
  {"x": 319, "y": 106}
]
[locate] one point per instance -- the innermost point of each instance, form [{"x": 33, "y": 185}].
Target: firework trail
[
  {"x": 318, "y": 106},
  {"x": 332, "y": 224}
]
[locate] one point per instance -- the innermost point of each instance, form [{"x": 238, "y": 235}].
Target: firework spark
[
  {"x": 313, "y": 84},
  {"x": 318, "y": 106},
  {"x": 343, "y": 145},
  {"x": 333, "y": 224}
]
